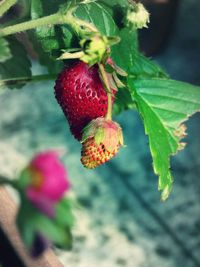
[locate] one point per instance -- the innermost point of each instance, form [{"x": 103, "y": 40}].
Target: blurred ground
[{"x": 123, "y": 222}]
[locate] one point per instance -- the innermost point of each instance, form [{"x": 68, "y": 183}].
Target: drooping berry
[
  {"x": 81, "y": 95},
  {"x": 102, "y": 139}
]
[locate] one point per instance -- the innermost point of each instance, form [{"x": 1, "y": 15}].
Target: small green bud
[
  {"x": 94, "y": 48},
  {"x": 137, "y": 16}
]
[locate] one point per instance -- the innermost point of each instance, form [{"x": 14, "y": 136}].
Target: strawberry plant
[{"x": 91, "y": 49}]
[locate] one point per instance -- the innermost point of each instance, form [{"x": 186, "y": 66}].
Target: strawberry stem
[
  {"x": 105, "y": 81},
  {"x": 5, "y": 5},
  {"x": 54, "y": 19},
  {"x": 23, "y": 80},
  {"x": 32, "y": 24}
]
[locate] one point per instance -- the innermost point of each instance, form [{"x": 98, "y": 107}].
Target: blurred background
[{"x": 122, "y": 221}]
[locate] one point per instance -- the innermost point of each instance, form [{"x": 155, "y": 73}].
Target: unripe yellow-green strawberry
[{"x": 101, "y": 141}]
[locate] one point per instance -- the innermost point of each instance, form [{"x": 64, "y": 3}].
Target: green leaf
[
  {"x": 126, "y": 55},
  {"x": 5, "y": 53},
  {"x": 123, "y": 52},
  {"x": 53, "y": 38},
  {"x": 144, "y": 67},
  {"x": 53, "y": 231},
  {"x": 117, "y": 9},
  {"x": 30, "y": 221},
  {"x": 164, "y": 105},
  {"x": 98, "y": 15},
  {"x": 123, "y": 101},
  {"x": 46, "y": 40},
  {"x": 17, "y": 66},
  {"x": 64, "y": 214},
  {"x": 43, "y": 7},
  {"x": 49, "y": 41},
  {"x": 45, "y": 58},
  {"x": 113, "y": 3}
]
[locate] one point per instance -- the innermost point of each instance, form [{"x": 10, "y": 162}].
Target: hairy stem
[
  {"x": 5, "y": 5},
  {"x": 32, "y": 24},
  {"x": 22, "y": 80},
  {"x": 109, "y": 110},
  {"x": 57, "y": 18},
  {"x": 108, "y": 90},
  {"x": 5, "y": 181}
]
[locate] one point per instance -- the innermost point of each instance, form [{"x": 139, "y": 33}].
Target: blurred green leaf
[
  {"x": 5, "y": 53},
  {"x": 45, "y": 58},
  {"x": 117, "y": 9},
  {"x": 126, "y": 55},
  {"x": 25, "y": 221},
  {"x": 64, "y": 215},
  {"x": 52, "y": 38},
  {"x": 53, "y": 231},
  {"x": 31, "y": 221},
  {"x": 17, "y": 66},
  {"x": 113, "y": 3},
  {"x": 164, "y": 105}
]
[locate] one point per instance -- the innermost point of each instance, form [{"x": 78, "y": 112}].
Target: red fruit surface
[{"x": 80, "y": 93}]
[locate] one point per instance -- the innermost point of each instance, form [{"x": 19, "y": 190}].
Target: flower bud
[
  {"x": 94, "y": 48},
  {"x": 48, "y": 181},
  {"x": 137, "y": 16}
]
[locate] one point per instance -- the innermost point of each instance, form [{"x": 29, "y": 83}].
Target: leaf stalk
[
  {"x": 104, "y": 78},
  {"x": 5, "y": 5}
]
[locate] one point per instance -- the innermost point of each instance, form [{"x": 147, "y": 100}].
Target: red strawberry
[
  {"x": 102, "y": 139},
  {"x": 81, "y": 95}
]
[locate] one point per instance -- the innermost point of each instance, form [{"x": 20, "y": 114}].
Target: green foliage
[
  {"x": 123, "y": 101},
  {"x": 49, "y": 41},
  {"x": 164, "y": 105},
  {"x": 45, "y": 58},
  {"x": 52, "y": 38},
  {"x": 5, "y": 5},
  {"x": 117, "y": 9},
  {"x": 4, "y": 50},
  {"x": 30, "y": 222},
  {"x": 64, "y": 214},
  {"x": 134, "y": 63},
  {"x": 131, "y": 60},
  {"x": 96, "y": 14},
  {"x": 17, "y": 66}
]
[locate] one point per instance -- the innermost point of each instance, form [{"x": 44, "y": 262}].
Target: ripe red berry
[{"x": 81, "y": 95}]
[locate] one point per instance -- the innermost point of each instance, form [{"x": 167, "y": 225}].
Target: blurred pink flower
[{"x": 49, "y": 181}]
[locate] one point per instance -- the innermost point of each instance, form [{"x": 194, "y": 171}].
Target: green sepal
[
  {"x": 99, "y": 135},
  {"x": 5, "y": 52}
]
